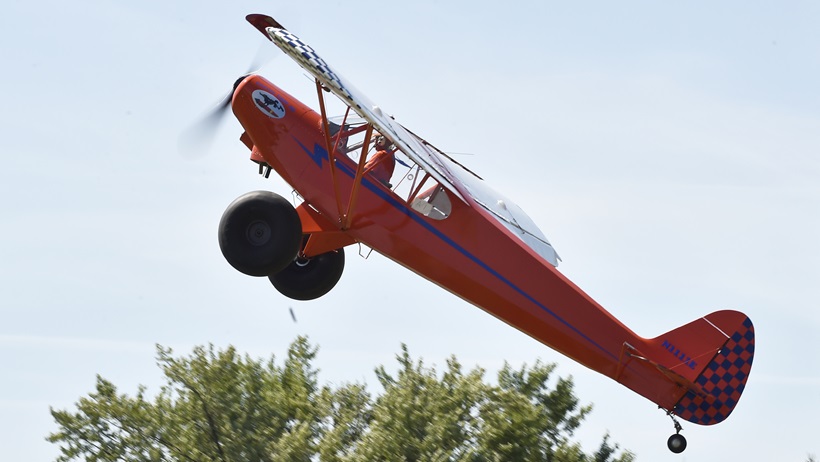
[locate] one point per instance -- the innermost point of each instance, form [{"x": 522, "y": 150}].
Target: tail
[
  {"x": 723, "y": 380},
  {"x": 721, "y": 346}
]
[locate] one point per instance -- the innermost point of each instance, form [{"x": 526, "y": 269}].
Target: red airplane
[{"x": 364, "y": 178}]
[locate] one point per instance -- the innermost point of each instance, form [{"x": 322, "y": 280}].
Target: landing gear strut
[{"x": 676, "y": 443}]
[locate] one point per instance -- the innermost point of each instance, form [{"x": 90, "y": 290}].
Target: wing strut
[{"x": 345, "y": 216}]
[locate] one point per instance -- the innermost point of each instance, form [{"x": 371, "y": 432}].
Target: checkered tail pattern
[{"x": 722, "y": 381}]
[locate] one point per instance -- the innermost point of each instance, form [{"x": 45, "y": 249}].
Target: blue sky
[{"x": 669, "y": 152}]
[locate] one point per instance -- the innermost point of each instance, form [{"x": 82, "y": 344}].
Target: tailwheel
[
  {"x": 310, "y": 278},
  {"x": 260, "y": 233},
  {"x": 676, "y": 443}
]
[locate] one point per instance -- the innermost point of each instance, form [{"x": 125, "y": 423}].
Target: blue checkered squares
[
  {"x": 722, "y": 381},
  {"x": 306, "y": 56}
]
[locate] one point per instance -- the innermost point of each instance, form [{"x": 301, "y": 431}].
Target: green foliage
[
  {"x": 421, "y": 417},
  {"x": 220, "y": 406}
]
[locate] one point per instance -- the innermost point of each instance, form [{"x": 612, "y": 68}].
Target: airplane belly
[{"x": 473, "y": 257}]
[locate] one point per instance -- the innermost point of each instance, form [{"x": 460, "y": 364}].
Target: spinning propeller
[{"x": 196, "y": 140}]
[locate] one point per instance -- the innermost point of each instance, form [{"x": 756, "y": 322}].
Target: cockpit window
[
  {"x": 389, "y": 166},
  {"x": 433, "y": 202},
  {"x": 421, "y": 191}
]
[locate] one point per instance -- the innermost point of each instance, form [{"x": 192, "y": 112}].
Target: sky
[{"x": 668, "y": 151}]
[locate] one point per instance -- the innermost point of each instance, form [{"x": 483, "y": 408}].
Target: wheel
[
  {"x": 676, "y": 443},
  {"x": 310, "y": 278},
  {"x": 260, "y": 233}
]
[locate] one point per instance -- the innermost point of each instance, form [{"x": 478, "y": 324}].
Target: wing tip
[{"x": 261, "y": 22}]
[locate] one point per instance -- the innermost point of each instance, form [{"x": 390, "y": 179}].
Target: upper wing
[
  {"x": 450, "y": 174},
  {"x": 411, "y": 146}
]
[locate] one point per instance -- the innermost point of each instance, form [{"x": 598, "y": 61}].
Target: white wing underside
[
  {"x": 425, "y": 156},
  {"x": 453, "y": 177}
]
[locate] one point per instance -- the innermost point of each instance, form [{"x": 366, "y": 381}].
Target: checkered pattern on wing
[
  {"x": 307, "y": 56},
  {"x": 722, "y": 382}
]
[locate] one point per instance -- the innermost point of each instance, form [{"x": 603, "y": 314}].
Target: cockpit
[
  {"x": 389, "y": 166},
  {"x": 423, "y": 187}
]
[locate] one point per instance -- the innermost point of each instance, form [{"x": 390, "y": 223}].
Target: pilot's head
[{"x": 381, "y": 142}]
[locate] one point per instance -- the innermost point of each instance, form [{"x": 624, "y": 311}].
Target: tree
[{"x": 220, "y": 406}]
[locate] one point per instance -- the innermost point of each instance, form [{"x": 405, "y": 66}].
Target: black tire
[
  {"x": 676, "y": 443},
  {"x": 260, "y": 233},
  {"x": 310, "y": 278}
]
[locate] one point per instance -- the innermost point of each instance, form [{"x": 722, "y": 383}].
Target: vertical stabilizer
[{"x": 723, "y": 379}]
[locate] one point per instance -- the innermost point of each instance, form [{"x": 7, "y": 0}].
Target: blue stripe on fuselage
[{"x": 320, "y": 153}]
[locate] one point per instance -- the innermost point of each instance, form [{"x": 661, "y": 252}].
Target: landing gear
[
  {"x": 676, "y": 443},
  {"x": 310, "y": 278},
  {"x": 260, "y": 233}
]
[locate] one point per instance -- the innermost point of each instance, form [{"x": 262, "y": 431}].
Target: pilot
[{"x": 383, "y": 163}]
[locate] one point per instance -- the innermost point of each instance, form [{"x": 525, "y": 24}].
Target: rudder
[{"x": 723, "y": 379}]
